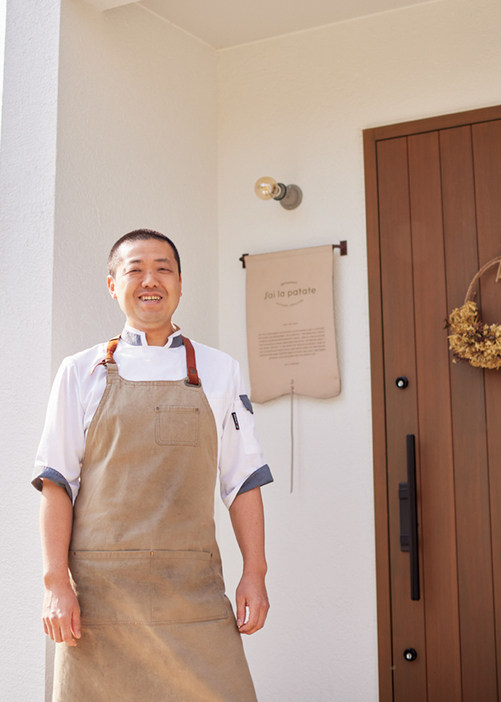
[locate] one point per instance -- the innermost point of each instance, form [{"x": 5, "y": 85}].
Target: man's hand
[
  {"x": 251, "y": 594},
  {"x": 61, "y": 614}
]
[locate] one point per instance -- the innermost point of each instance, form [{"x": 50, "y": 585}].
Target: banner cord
[{"x": 292, "y": 435}]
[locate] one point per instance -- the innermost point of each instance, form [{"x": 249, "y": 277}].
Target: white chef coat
[{"x": 76, "y": 393}]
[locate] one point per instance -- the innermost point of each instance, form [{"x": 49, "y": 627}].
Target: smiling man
[{"x": 137, "y": 431}]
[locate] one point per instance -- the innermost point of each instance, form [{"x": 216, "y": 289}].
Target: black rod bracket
[{"x": 342, "y": 246}]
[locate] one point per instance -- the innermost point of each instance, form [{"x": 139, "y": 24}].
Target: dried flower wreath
[{"x": 471, "y": 340}]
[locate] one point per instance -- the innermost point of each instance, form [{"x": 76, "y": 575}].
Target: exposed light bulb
[
  {"x": 268, "y": 189},
  {"x": 290, "y": 196}
]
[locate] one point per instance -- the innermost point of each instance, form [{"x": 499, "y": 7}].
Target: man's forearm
[
  {"x": 56, "y": 522},
  {"x": 247, "y": 518},
  {"x": 61, "y": 611}
]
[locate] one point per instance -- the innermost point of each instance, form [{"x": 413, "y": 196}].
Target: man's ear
[
  {"x": 111, "y": 287},
  {"x": 181, "y": 285}
]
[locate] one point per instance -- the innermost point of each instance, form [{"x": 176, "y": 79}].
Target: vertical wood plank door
[{"x": 433, "y": 195}]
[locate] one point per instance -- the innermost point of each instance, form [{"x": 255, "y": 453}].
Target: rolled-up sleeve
[
  {"x": 61, "y": 447},
  {"x": 242, "y": 464}
]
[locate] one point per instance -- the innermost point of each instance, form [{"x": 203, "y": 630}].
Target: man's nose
[{"x": 149, "y": 279}]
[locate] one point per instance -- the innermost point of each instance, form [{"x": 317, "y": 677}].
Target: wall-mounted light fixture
[{"x": 289, "y": 196}]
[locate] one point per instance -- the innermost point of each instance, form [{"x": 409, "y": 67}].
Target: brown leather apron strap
[
  {"x": 191, "y": 362},
  {"x": 110, "y": 350}
]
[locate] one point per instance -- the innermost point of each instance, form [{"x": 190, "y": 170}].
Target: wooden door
[{"x": 433, "y": 192}]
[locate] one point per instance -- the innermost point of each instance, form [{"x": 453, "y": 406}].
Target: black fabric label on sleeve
[
  {"x": 247, "y": 403},
  {"x": 235, "y": 419}
]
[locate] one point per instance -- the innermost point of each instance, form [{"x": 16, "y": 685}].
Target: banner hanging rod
[{"x": 342, "y": 246}]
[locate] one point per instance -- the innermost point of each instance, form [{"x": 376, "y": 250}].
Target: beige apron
[{"x": 156, "y": 625}]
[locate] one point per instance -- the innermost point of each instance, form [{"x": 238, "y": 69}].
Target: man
[{"x": 136, "y": 430}]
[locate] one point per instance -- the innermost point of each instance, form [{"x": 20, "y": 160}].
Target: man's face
[{"x": 147, "y": 284}]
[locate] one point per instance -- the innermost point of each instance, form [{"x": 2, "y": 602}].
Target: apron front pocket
[
  {"x": 185, "y": 588},
  {"x": 176, "y": 426},
  {"x": 113, "y": 587},
  {"x": 146, "y": 587}
]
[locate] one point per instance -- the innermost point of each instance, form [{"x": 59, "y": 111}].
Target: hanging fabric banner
[{"x": 290, "y": 324}]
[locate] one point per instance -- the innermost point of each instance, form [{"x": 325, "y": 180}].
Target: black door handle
[{"x": 408, "y": 516}]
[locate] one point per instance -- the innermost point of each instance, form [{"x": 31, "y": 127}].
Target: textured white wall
[
  {"x": 294, "y": 108},
  {"x": 137, "y": 147},
  {"x": 3, "y": 8},
  {"x": 27, "y": 182}
]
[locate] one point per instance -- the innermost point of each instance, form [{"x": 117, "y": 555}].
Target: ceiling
[{"x": 225, "y": 23}]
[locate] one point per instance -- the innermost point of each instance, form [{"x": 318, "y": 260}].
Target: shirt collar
[{"x": 134, "y": 337}]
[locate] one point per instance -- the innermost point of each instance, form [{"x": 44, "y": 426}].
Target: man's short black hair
[{"x": 138, "y": 235}]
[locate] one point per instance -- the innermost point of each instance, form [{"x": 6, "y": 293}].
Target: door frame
[{"x": 371, "y": 137}]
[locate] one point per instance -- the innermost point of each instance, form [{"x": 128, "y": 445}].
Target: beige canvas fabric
[
  {"x": 156, "y": 624},
  {"x": 290, "y": 324}
]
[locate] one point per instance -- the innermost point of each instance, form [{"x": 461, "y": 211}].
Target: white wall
[
  {"x": 3, "y": 8},
  {"x": 27, "y": 183},
  {"x": 137, "y": 147},
  {"x": 294, "y": 108}
]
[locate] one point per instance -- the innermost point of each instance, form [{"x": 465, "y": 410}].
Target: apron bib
[{"x": 156, "y": 624}]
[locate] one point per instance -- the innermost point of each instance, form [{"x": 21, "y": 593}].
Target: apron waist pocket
[{"x": 147, "y": 587}]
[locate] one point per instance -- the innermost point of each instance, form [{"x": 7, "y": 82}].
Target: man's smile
[{"x": 148, "y": 298}]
